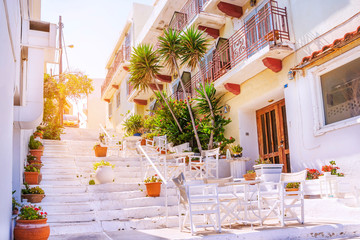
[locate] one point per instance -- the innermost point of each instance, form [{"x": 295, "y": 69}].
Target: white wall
[
  {"x": 9, "y": 68},
  {"x": 96, "y": 107}
]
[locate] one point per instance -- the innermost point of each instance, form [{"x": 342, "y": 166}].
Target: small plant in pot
[
  {"x": 99, "y": 150},
  {"x": 32, "y": 175},
  {"x": 292, "y": 187},
  {"x": 250, "y": 175},
  {"x": 104, "y": 172},
  {"x": 38, "y": 133},
  {"x": 153, "y": 186},
  {"x": 236, "y": 150},
  {"x": 31, "y": 224},
  {"x": 36, "y": 148},
  {"x": 33, "y": 195}
]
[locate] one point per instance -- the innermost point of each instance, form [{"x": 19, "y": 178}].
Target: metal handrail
[{"x": 160, "y": 175}]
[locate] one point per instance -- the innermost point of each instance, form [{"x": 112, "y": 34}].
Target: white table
[
  {"x": 237, "y": 166},
  {"x": 246, "y": 201}
]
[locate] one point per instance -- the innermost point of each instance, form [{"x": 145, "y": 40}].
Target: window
[
  {"x": 341, "y": 92},
  {"x": 118, "y": 99}
]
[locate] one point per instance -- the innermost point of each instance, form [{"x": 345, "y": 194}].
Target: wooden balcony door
[{"x": 273, "y": 134}]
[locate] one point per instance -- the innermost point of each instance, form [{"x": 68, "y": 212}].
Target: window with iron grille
[{"x": 341, "y": 92}]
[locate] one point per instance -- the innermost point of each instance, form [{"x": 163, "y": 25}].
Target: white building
[
  {"x": 302, "y": 120},
  {"x": 27, "y": 44},
  {"x": 96, "y": 109}
]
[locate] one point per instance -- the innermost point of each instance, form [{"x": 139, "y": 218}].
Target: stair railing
[{"x": 160, "y": 175}]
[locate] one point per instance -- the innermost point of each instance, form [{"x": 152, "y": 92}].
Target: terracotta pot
[
  {"x": 33, "y": 198},
  {"x": 143, "y": 142},
  {"x": 32, "y": 229},
  {"x": 250, "y": 176},
  {"x": 36, "y": 153},
  {"x": 104, "y": 174},
  {"x": 42, "y": 150},
  {"x": 31, "y": 178},
  {"x": 153, "y": 189},
  {"x": 100, "y": 151},
  {"x": 292, "y": 190}
]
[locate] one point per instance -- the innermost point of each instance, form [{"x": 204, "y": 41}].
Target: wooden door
[{"x": 273, "y": 135}]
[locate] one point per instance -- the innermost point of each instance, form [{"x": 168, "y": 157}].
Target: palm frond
[
  {"x": 193, "y": 47},
  {"x": 144, "y": 66},
  {"x": 169, "y": 48}
]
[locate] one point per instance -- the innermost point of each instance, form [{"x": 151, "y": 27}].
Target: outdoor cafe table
[{"x": 247, "y": 200}]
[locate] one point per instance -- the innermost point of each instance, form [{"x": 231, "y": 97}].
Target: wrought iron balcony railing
[
  {"x": 182, "y": 18},
  {"x": 268, "y": 25},
  {"x": 121, "y": 56}
]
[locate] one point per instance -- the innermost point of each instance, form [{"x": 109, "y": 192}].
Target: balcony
[
  {"x": 262, "y": 42},
  {"x": 141, "y": 97},
  {"x": 111, "y": 83},
  {"x": 193, "y": 13}
]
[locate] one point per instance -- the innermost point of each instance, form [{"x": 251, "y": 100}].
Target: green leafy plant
[
  {"x": 250, "y": 171},
  {"x": 34, "y": 144},
  {"x": 96, "y": 145},
  {"x": 293, "y": 185},
  {"x": 260, "y": 160},
  {"x": 236, "y": 149},
  {"x": 15, "y": 204},
  {"x": 30, "y": 168},
  {"x": 30, "y": 157},
  {"x": 91, "y": 182},
  {"x": 33, "y": 190},
  {"x": 102, "y": 163},
  {"x": 133, "y": 124},
  {"x": 153, "y": 179},
  {"x": 32, "y": 212}
]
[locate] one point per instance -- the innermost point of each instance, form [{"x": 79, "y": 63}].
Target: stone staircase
[{"x": 74, "y": 206}]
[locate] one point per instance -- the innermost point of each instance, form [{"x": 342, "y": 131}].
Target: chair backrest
[
  {"x": 220, "y": 181},
  {"x": 211, "y": 153},
  {"x": 293, "y": 177},
  {"x": 181, "y": 148},
  {"x": 179, "y": 182}
]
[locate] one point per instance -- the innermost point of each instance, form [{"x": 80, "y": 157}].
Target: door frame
[{"x": 280, "y": 131}]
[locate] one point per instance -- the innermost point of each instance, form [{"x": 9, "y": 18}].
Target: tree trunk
[
  {"x": 167, "y": 104},
  {"x": 211, "y": 141},
  {"x": 189, "y": 108}
]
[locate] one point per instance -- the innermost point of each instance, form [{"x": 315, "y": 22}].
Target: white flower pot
[{"x": 104, "y": 174}]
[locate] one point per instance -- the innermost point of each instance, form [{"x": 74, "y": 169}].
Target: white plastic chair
[
  {"x": 282, "y": 203},
  {"x": 199, "y": 203},
  {"x": 211, "y": 160}
]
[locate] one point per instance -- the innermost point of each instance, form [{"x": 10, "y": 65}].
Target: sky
[{"x": 92, "y": 26}]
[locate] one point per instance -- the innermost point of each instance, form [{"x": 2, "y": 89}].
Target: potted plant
[
  {"x": 250, "y": 175},
  {"x": 268, "y": 171},
  {"x": 133, "y": 125},
  {"x": 326, "y": 169},
  {"x": 38, "y": 133},
  {"x": 153, "y": 186},
  {"x": 312, "y": 174},
  {"x": 33, "y": 195},
  {"x": 99, "y": 150},
  {"x": 32, "y": 175},
  {"x": 334, "y": 168},
  {"x": 236, "y": 150},
  {"x": 15, "y": 205},
  {"x": 36, "y": 148},
  {"x": 292, "y": 187},
  {"x": 31, "y": 224},
  {"x": 104, "y": 172}
]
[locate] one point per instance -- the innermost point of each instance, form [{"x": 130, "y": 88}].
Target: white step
[
  {"x": 149, "y": 201},
  {"x": 66, "y": 198},
  {"x": 133, "y": 224},
  {"x": 51, "y": 189},
  {"x": 56, "y": 207},
  {"x": 72, "y": 228},
  {"x": 73, "y": 217}
]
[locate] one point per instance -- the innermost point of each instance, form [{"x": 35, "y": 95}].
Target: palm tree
[
  {"x": 193, "y": 49},
  {"x": 144, "y": 66},
  {"x": 169, "y": 50}
]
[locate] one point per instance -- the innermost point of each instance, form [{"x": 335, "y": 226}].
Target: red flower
[
  {"x": 36, "y": 209},
  {"x": 155, "y": 175}
]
